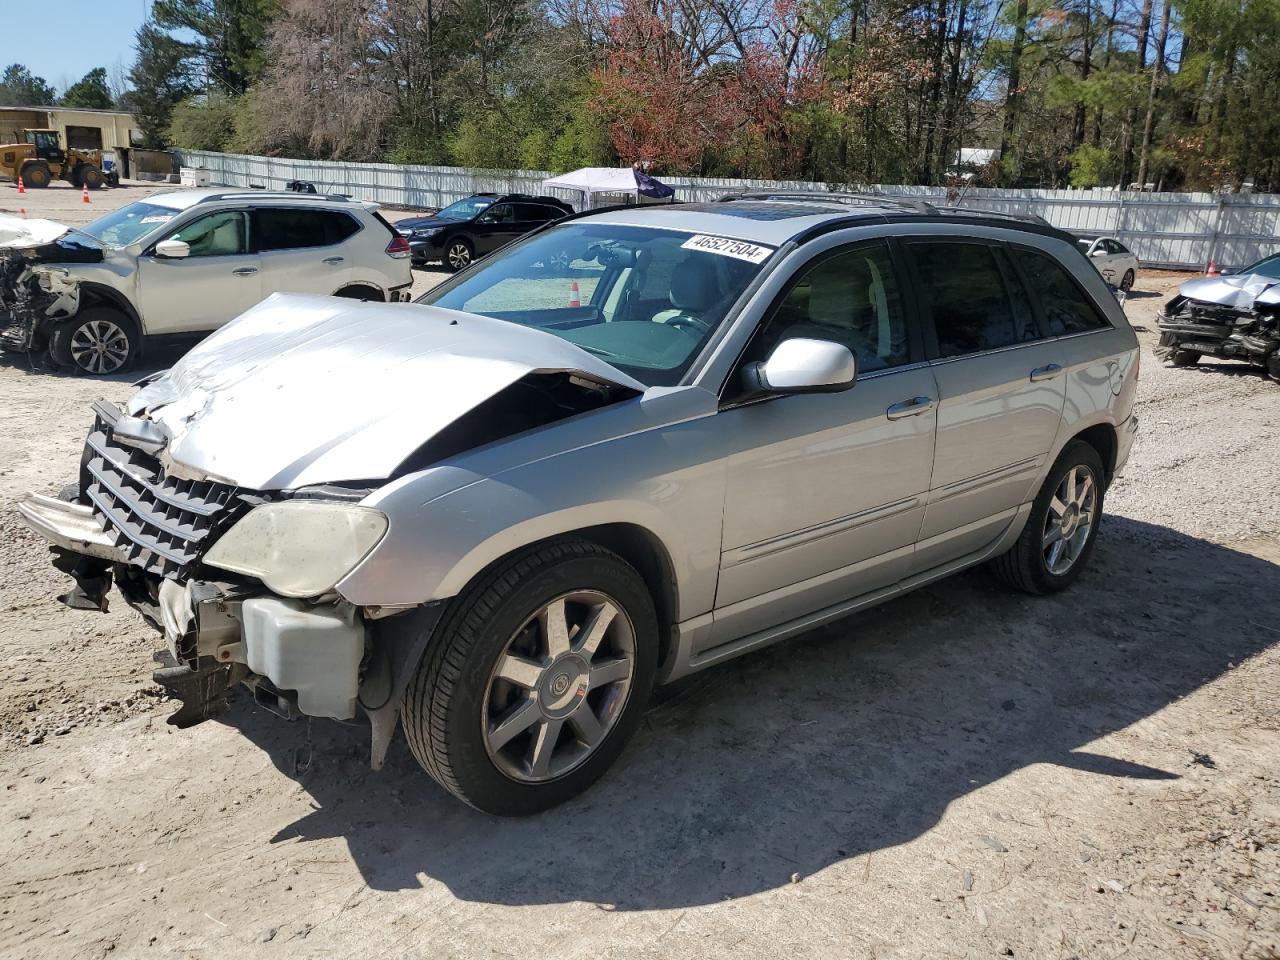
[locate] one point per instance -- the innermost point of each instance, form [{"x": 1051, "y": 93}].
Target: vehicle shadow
[{"x": 851, "y": 739}]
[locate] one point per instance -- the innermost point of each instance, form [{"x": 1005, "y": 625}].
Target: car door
[
  {"x": 824, "y": 493},
  {"x": 1000, "y": 394},
  {"x": 300, "y": 249},
  {"x": 1105, "y": 260},
  {"x": 215, "y": 283},
  {"x": 496, "y": 227}
]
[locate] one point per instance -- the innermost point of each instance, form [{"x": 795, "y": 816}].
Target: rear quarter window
[{"x": 1067, "y": 308}]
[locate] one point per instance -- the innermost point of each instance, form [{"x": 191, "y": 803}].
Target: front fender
[{"x": 451, "y": 521}]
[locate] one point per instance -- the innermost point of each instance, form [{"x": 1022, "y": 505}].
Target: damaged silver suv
[{"x": 635, "y": 444}]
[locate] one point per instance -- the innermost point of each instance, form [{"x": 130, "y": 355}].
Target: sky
[{"x": 63, "y": 41}]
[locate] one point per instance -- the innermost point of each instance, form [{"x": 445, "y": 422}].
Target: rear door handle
[
  {"x": 1047, "y": 372},
  {"x": 245, "y": 271},
  {"x": 909, "y": 408},
  {"x": 333, "y": 260}
]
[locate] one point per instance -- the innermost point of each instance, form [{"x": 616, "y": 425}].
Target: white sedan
[{"x": 1116, "y": 263}]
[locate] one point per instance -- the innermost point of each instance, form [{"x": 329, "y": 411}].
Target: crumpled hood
[
  {"x": 19, "y": 233},
  {"x": 1238, "y": 292},
  {"x": 303, "y": 389}
]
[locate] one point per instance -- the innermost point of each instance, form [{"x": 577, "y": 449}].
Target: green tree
[
  {"x": 160, "y": 80},
  {"x": 224, "y": 37},
  {"x": 20, "y": 88},
  {"x": 204, "y": 123},
  {"x": 89, "y": 91}
]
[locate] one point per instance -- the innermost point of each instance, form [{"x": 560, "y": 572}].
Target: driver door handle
[
  {"x": 245, "y": 271},
  {"x": 333, "y": 260},
  {"x": 909, "y": 408},
  {"x": 1047, "y": 372}
]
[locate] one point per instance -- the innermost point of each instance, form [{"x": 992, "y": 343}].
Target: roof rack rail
[
  {"x": 839, "y": 196},
  {"x": 271, "y": 194},
  {"x": 1000, "y": 214}
]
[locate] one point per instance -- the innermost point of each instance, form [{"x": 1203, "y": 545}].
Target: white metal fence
[{"x": 1178, "y": 230}]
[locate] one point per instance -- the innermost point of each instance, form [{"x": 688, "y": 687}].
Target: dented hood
[
  {"x": 19, "y": 233},
  {"x": 302, "y": 390},
  {"x": 1237, "y": 292}
]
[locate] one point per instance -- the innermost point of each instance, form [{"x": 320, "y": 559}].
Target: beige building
[{"x": 79, "y": 127}]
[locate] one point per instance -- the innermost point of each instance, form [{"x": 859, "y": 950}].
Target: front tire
[
  {"x": 89, "y": 176},
  {"x": 1184, "y": 358},
  {"x": 1061, "y": 530},
  {"x": 37, "y": 176},
  {"x": 99, "y": 341},
  {"x": 536, "y": 678},
  {"x": 458, "y": 255}
]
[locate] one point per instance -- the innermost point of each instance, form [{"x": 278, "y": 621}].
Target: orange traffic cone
[
  {"x": 21, "y": 188},
  {"x": 84, "y": 196},
  {"x": 575, "y": 297},
  {"x": 1212, "y": 269},
  {"x": 22, "y": 211}
]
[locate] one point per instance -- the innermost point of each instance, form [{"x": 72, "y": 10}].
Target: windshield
[
  {"x": 1268, "y": 267},
  {"x": 129, "y": 224},
  {"x": 465, "y": 209},
  {"x": 645, "y": 300}
]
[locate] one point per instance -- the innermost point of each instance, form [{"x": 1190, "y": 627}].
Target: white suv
[{"x": 185, "y": 263}]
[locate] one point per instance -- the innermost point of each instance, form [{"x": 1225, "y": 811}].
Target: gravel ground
[{"x": 959, "y": 773}]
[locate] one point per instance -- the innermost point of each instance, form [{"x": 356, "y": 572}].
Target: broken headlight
[{"x": 299, "y": 548}]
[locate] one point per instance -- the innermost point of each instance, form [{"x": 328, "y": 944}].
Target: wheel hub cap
[
  {"x": 559, "y": 686},
  {"x": 565, "y": 683}
]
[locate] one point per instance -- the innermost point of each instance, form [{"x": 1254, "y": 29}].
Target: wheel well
[
  {"x": 645, "y": 552},
  {"x": 93, "y": 295},
  {"x": 1102, "y": 437},
  {"x": 360, "y": 291}
]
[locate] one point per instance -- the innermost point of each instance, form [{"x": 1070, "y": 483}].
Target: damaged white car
[
  {"x": 1236, "y": 317},
  {"x": 182, "y": 264},
  {"x": 631, "y": 446}
]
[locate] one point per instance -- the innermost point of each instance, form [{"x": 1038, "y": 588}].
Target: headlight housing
[
  {"x": 299, "y": 548},
  {"x": 427, "y": 232}
]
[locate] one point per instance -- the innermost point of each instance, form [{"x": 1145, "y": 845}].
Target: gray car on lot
[{"x": 633, "y": 445}]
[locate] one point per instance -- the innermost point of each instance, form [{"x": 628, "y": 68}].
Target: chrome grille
[{"x": 162, "y": 523}]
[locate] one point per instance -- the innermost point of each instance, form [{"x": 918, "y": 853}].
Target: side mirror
[
  {"x": 801, "y": 365},
  {"x": 173, "y": 249},
  {"x": 1099, "y": 252}
]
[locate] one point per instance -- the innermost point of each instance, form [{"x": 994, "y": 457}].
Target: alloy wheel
[
  {"x": 559, "y": 686},
  {"x": 99, "y": 346},
  {"x": 459, "y": 256},
  {"x": 1071, "y": 516}
]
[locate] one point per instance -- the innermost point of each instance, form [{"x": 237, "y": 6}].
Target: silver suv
[
  {"x": 184, "y": 263},
  {"x": 633, "y": 445}
]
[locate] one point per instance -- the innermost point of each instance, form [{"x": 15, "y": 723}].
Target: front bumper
[{"x": 292, "y": 655}]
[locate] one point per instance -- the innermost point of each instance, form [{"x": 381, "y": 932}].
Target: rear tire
[
  {"x": 513, "y": 716},
  {"x": 36, "y": 176},
  {"x": 1126, "y": 282},
  {"x": 1053, "y": 548},
  {"x": 99, "y": 341}
]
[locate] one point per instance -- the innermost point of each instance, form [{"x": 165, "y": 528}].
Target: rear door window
[
  {"x": 281, "y": 229},
  {"x": 1067, "y": 309},
  {"x": 963, "y": 289}
]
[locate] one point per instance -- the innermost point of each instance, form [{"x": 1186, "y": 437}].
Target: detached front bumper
[{"x": 294, "y": 656}]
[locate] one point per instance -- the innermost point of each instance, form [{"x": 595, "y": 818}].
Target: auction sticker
[{"x": 753, "y": 253}]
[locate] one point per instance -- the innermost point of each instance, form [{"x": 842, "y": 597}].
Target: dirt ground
[{"x": 960, "y": 773}]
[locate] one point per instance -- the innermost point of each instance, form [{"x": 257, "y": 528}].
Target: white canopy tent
[{"x": 593, "y": 182}]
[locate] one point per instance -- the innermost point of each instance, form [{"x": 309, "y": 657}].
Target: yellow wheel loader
[{"x": 39, "y": 159}]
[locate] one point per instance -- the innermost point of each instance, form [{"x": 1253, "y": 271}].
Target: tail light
[{"x": 398, "y": 248}]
